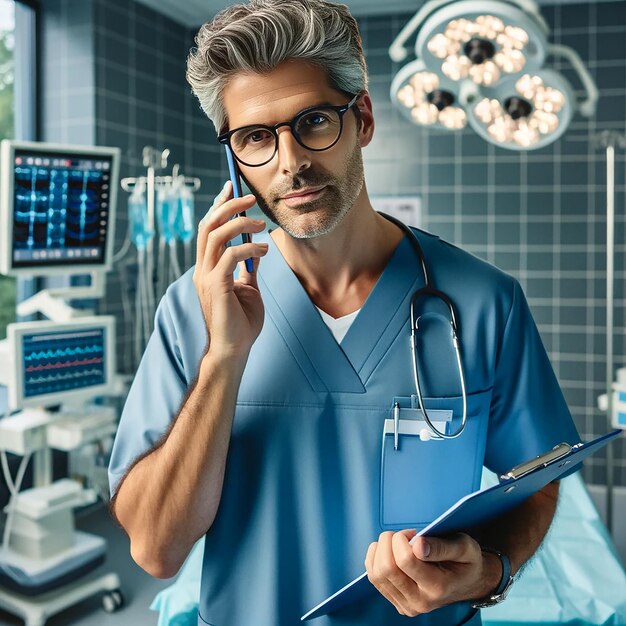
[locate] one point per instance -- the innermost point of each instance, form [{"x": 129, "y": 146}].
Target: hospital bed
[{"x": 576, "y": 577}]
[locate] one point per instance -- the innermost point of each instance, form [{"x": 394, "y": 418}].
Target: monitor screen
[
  {"x": 61, "y": 208},
  {"x": 54, "y": 362}
]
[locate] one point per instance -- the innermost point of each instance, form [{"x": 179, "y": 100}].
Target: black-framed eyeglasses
[{"x": 316, "y": 128}]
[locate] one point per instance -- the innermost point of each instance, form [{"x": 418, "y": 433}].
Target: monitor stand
[{"x": 52, "y": 302}]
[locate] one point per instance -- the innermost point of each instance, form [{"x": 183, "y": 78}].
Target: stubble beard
[{"x": 322, "y": 215}]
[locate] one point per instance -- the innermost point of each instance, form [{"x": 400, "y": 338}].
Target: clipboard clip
[{"x": 543, "y": 460}]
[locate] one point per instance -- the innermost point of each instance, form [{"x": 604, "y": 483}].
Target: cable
[
  {"x": 121, "y": 253},
  {"x": 13, "y": 573},
  {"x": 127, "y": 312},
  {"x": 6, "y": 473}
]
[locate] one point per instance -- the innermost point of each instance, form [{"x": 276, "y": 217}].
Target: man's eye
[
  {"x": 315, "y": 119},
  {"x": 257, "y": 136}
]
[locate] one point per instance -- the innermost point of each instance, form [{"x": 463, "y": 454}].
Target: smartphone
[{"x": 233, "y": 171}]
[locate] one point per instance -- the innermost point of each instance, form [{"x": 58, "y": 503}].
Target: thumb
[{"x": 436, "y": 549}]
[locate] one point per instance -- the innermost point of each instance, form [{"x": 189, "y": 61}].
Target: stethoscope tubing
[{"x": 429, "y": 291}]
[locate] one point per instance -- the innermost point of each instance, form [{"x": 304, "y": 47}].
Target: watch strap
[{"x": 500, "y": 592}]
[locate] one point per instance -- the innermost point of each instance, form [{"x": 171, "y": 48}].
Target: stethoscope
[{"x": 428, "y": 291}]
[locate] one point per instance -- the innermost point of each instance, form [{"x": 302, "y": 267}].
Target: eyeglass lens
[{"x": 316, "y": 130}]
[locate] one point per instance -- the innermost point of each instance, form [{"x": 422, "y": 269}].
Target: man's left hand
[{"x": 430, "y": 573}]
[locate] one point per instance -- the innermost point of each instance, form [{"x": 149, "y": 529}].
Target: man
[{"x": 256, "y": 415}]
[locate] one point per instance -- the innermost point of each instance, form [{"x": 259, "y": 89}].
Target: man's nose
[{"x": 292, "y": 157}]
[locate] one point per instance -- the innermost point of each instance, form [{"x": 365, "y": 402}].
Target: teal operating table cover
[{"x": 576, "y": 578}]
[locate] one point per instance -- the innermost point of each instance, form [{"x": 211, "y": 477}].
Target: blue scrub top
[{"x": 301, "y": 500}]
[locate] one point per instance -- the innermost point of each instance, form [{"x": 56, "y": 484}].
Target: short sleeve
[
  {"x": 528, "y": 414},
  {"x": 154, "y": 398}
]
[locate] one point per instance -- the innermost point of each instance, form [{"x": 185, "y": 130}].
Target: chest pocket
[{"x": 420, "y": 479}]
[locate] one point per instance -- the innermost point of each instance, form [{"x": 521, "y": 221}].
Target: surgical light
[
  {"x": 524, "y": 113},
  {"x": 428, "y": 99},
  {"x": 480, "y": 62},
  {"x": 482, "y": 40}
]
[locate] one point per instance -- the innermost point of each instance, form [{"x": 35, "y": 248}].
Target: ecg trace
[{"x": 63, "y": 361}]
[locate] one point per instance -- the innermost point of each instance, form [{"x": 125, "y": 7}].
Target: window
[{"x": 17, "y": 112}]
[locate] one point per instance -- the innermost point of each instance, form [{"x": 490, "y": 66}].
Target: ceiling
[{"x": 195, "y": 12}]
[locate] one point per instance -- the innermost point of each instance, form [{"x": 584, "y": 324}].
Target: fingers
[
  {"x": 203, "y": 231},
  {"x": 385, "y": 575},
  {"x": 245, "y": 277},
  {"x": 218, "y": 238},
  {"x": 224, "y": 207},
  {"x": 236, "y": 254},
  {"x": 418, "y": 575}
]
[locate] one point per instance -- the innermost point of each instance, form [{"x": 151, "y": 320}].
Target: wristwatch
[{"x": 501, "y": 591}]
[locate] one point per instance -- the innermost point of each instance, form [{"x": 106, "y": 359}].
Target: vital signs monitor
[
  {"x": 57, "y": 208},
  {"x": 47, "y": 363}
]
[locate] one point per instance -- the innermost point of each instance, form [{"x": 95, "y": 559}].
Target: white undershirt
[{"x": 338, "y": 326}]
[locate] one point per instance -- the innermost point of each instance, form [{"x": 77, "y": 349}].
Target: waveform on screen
[{"x": 54, "y": 362}]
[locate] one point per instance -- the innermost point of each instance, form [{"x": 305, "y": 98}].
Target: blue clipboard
[{"x": 481, "y": 506}]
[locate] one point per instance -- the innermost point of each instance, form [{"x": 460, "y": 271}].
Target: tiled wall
[
  {"x": 142, "y": 98},
  {"x": 114, "y": 75},
  {"x": 540, "y": 215},
  {"x": 67, "y": 72}
]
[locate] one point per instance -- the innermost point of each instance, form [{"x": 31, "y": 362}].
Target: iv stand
[
  {"x": 609, "y": 140},
  {"x": 153, "y": 160}
]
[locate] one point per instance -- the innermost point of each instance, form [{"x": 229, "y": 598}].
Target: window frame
[{"x": 27, "y": 99}]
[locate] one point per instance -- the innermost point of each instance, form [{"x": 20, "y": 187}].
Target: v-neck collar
[{"x": 331, "y": 367}]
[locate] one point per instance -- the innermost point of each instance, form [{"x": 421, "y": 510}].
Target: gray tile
[
  {"x": 441, "y": 203},
  {"x": 507, "y": 234},
  {"x": 507, "y": 203},
  {"x": 441, "y": 175},
  {"x": 574, "y": 16},
  {"x": 441, "y": 144},
  {"x": 573, "y": 261},
  {"x": 114, "y": 19},
  {"x": 538, "y": 261},
  {"x": 574, "y": 173},
  {"x": 613, "y": 46},
  {"x": 378, "y": 62},
  {"x": 473, "y": 233},
  {"x": 540, "y": 288},
  {"x": 474, "y": 175},
  {"x": 474, "y": 204},
  {"x": 574, "y": 203},
  {"x": 114, "y": 79},
  {"x": 539, "y": 233},
  {"x": 611, "y": 108},
  {"x": 610, "y": 77},
  {"x": 117, "y": 51},
  {"x": 507, "y": 261},
  {"x": 445, "y": 231},
  {"x": 611, "y": 13},
  {"x": 540, "y": 202},
  {"x": 573, "y": 315},
  {"x": 576, "y": 233},
  {"x": 540, "y": 172}
]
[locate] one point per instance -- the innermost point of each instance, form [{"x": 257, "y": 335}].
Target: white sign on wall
[{"x": 405, "y": 208}]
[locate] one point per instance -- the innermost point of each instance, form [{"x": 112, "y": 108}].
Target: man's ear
[{"x": 366, "y": 127}]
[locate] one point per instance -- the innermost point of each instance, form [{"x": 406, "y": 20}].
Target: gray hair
[{"x": 261, "y": 34}]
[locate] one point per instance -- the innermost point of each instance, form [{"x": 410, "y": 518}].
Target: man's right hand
[{"x": 233, "y": 309}]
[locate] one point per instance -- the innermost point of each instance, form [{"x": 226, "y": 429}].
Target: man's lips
[
  {"x": 302, "y": 198},
  {"x": 303, "y": 192}
]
